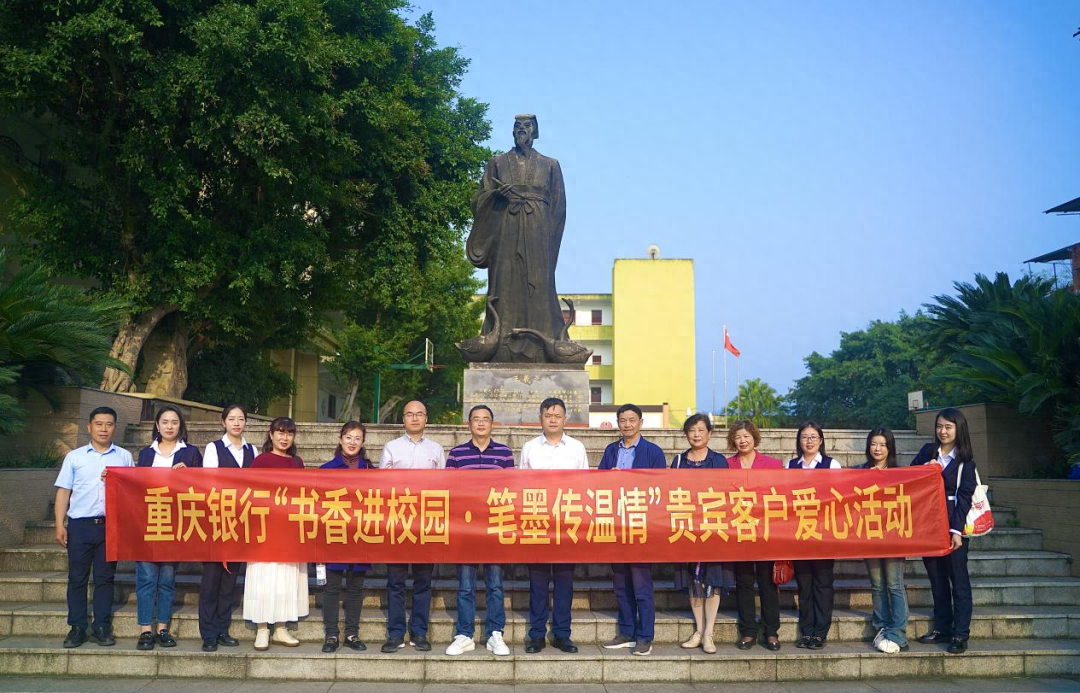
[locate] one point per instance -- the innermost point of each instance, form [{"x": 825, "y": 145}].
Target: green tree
[
  {"x": 242, "y": 167},
  {"x": 50, "y": 334},
  {"x": 1015, "y": 342},
  {"x": 757, "y": 401},
  {"x": 223, "y": 375}
]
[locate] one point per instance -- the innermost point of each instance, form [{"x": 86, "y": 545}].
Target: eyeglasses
[
  {"x": 480, "y": 420},
  {"x": 809, "y": 439},
  {"x": 414, "y": 415}
]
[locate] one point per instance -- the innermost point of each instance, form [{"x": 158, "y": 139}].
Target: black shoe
[
  {"x": 816, "y": 643},
  {"x": 75, "y": 637},
  {"x": 775, "y": 646},
  {"x": 804, "y": 642},
  {"x": 227, "y": 640},
  {"x": 957, "y": 646},
  {"x": 330, "y": 644},
  {"x": 393, "y": 645},
  {"x": 209, "y": 645},
  {"x": 421, "y": 643},
  {"x": 103, "y": 636},
  {"x": 146, "y": 641},
  {"x": 934, "y": 636},
  {"x": 745, "y": 643},
  {"x": 355, "y": 643},
  {"x": 565, "y": 644},
  {"x": 165, "y": 639},
  {"x": 534, "y": 645},
  {"x": 904, "y": 648}
]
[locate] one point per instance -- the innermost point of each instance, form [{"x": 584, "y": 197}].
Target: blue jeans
[
  {"x": 466, "y": 600},
  {"x": 154, "y": 582},
  {"x": 889, "y": 597}
]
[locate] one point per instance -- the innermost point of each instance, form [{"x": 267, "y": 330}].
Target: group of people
[{"x": 276, "y": 594}]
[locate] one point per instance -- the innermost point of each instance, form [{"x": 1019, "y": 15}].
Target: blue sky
[{"x": 823, "y": 163}]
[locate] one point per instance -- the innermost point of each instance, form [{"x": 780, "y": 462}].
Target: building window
[
  {"x": 598, "y": 317},
  {"x": 331, "y": 406},
  {"x": 594, "y": 395},
  {"x": 566, "y": 317},
  {"x": 596, "y": 359}
]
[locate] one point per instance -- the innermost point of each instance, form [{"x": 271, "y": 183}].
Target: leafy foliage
[
  {"x": 50, "y": 334},
  {"x": 1017, "y": 343},
  {"x": 865, "y": 381},
  {"x": 757, "y": 401},
  {"x": 224, "y": 375},
  {"x": 251, "y": 165}
]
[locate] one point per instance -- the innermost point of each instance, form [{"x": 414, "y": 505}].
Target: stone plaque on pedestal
[{"x": 514, "y": 391}]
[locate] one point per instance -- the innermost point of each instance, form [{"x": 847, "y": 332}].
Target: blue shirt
[
  {"x": 626, "y": 455},
  {"x": 81, "y": 474}
]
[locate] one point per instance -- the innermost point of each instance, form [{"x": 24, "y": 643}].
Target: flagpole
[
  {"x": 738, "y": 379},
  {"x": 725, "y": 374}
]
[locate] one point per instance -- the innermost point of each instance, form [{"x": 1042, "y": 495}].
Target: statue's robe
[{"x": 517, "y": 239}]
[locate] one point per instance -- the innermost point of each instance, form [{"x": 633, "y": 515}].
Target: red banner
[{"x": 642, "y": 516}]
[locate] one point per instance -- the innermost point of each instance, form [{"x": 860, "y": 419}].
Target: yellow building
[{"x": 642, "y": 337}]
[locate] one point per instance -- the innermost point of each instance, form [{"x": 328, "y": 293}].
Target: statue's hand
[{"x": 505, "y": 189}]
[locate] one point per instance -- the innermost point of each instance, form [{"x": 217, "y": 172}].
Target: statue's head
[{"x": 526, "y": 129}]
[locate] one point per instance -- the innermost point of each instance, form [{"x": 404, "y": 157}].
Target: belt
[{"x": 93, "y": 520}]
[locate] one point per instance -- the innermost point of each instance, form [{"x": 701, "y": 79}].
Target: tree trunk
[
  {"x": 387, "y": 408},
  {"x": 167, "y": 366},
  {"x": 127, "y": 346}
]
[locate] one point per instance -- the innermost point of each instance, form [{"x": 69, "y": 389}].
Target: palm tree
[
  {"x": 757, "y": 401},
  {"x": 50, "y": 334}
]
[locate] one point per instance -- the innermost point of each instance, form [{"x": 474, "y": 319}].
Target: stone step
[
  {"x": 588, "y": 594},
  {"x": 590, "y": 627},
  {"x": 985, "y": 563},
  {"x": 592, "y": 664},
  {"x": 67, "y": 684}
]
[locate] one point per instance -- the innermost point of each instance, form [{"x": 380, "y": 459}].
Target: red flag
[{"x": 729, "y": 346}]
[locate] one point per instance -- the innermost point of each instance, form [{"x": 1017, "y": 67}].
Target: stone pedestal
[{"x": 514, "y": 391}]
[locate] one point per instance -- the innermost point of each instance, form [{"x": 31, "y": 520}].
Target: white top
[
  {"x": 568, "y": 453},
  {"x": 944, "y": 460},
  {"x": 210, "y": 460},
  {"x": 406, "y": 453},
  {"x": 813, "y": 464},
  {"x": 167, "y": 460}
]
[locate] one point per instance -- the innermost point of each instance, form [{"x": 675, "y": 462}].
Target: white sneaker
[
  {"x": 496, "y": 645},
  {"x": 888, "y": 646},
  {"x": 262, "y": 639},
  {"x": 879, "y": 637},
  {"x": 282, "y": 636},
  {"x": 461, "y": 645}
]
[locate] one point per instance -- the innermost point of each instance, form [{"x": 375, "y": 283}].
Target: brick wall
[
  {"x": 26, "y": 494},
  {"x": 1052, "y": 505}
]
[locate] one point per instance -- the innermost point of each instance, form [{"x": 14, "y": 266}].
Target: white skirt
[{"x": 275, "y": 592}]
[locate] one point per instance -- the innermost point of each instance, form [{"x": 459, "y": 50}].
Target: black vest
[
  {"x": 225, "y": 459},
  {"x": 826, "y": 463}
]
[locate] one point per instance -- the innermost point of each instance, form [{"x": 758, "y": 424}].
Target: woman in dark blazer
[
  {"x": 948, "y": 574},
  {"x": 704, "y": 582},
  {"x": 155, "y": 582},
  {"x": 349, "y": 455}
]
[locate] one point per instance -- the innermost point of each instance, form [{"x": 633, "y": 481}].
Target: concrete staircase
[{"x": 1026, "y": 623}]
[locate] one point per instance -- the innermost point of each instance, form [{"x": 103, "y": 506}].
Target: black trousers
[
  {"x": 86, "y": 552},
  {"x": 815, "y": 581},
  {"x": 951, "y": 587},
  {"x": 396, "y": 575},
  {"x": 746, "y": 573},
  {"x": 216, "y": 593},
  {"x": 354, "y": 601}
]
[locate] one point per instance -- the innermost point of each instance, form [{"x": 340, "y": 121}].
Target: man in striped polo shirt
[{"x": 481, "y": 452}]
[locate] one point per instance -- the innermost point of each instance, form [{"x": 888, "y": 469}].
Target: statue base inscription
[{"x": 514, "y": 391}]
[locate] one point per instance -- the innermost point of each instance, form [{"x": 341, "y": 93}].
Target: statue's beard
[{"x": 522, "y": 139}]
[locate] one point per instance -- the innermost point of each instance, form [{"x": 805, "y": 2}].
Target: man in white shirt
[
  {"x": 411, "y": 451},
  {"x": 552, "y": 450}
]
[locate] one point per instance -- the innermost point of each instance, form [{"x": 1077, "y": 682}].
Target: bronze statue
[{"x": 518, "y": 217}]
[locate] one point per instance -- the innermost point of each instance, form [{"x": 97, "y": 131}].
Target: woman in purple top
[
  {"x": 350, "y": 454},
  {"x": 744, "y": 437}
]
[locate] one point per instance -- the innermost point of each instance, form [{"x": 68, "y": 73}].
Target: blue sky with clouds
[{"x": 823, "y": 163}]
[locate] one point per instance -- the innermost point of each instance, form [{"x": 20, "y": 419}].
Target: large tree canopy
[{"x": 242, "y": 167}]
